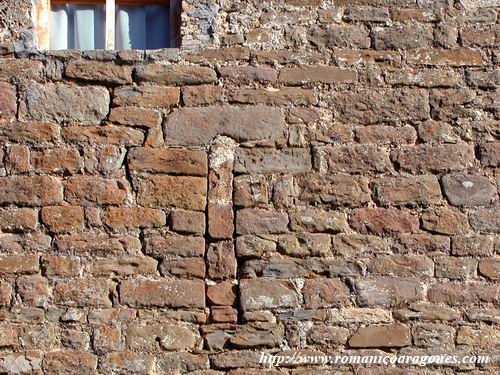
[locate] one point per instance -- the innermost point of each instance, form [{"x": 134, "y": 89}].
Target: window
[{"x": 107, "y": 24}]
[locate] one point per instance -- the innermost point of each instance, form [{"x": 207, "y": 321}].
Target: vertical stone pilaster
[{"x": 220, "y": 257}]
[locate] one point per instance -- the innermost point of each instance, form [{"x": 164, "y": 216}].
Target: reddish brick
[
  {"x": 381, "y": 221},
  {"x": 450, "y": 57},
  {"x": 175, "y": 75},
  {"x": 83, "y": 293},
  {"x": 33, "y": 289},
  {"x": 183, "y": 267},
  {"x": 220, "y": 221},
  {"x": 434, "y": 158},
  {"x": 248, "y": 74},
  {"x": 221, "y": 260},
  {"x": 190, "y": 222},
  {"x": 115, "y": 135},
  {"x": 320, "y": 74},
  {"x": 168, "y": 161},
  {"x": 30, "y": 190},
  {"x": 57, "y": 160},
  {"x": 259, "y": 221},
  {"x": 223, "y": 293},
  {"x": 193, "y": 96},
  {"x": 490, "y": 268},
  {"x": 133, "y": 116},
  {"x": 453, "y": 293},
  {"x": 132, "y": 218},
  {"x": 89, "y": 190},
  {"x": 53, "y": 265},
  {"x": 408, "y": 190},
  {"x": 177, "y": 191},
  {"x": 384, "y": 336},
  {"x": 264, "y": 293},
  {"x": 95, "y": 71},
  {"x": 445, "y": 221},
  {"x": 69, "y": 362},
  {"x": 20, "y": 219},
  {"x": 8, "y": 102},
  {"x": 354, "y": 159},
  {"x": 146, "y": 96},
  {"x": 29, "y": 132},
  {"x": 61, "y": 219},
  {"x": 389, "y": 291},
  {"x": 320, "y": 293},
  {"x": 142, "y": 292},
  {"x": 386, "y": 134}
]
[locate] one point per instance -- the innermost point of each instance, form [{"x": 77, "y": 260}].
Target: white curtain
[{"x": 83, "y": 27}]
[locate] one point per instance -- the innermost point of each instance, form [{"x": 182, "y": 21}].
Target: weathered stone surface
[
  {"x": 223, "y": 293},
  {"x": 318, "y": 220},
  {"x": 13, "y": 264},
  {"x": 88, "y": 190},
  {"x": 221, "y": 260},
  {"x": 264, "y": 293},
  {"x": 402, "y": 265},
  {"x": 490, "y": 268},
  {"x": 468, "y": 190},
  {"x": 198, "y": 126},
  {"x": 130, "y": 218},
  {"x": 388, "y": 106},
  {"x": 319, "y": 293},
  {"x": 445, "y": 221},
  {"x": 259, "y": 221},
  {"x": 202, "y": 94},
  {"x": 158, "y": 244},
  {"x": 266, "y": 160},
  {"x": 69, "y": 362},
  {"x": 97, "y": 243},
  {"x": 384, "y": 336},
  {"x": 146, "y": 96},
  {"x": 320, "y": 74},
  {"x": 20, "y": 219},
  {"x": 486, "y": 220},
  {"x": 58, "y": 102},
  {"x": 132, "y": 116},
  {"x": 336, "y": 190},
  {"x": 387, "y": 291},
  {"x": 30, "y": 190},
  {"x": 190, "y": 222},
  {"x": 29, "y": 131},
  {"x": 403, "y": 37},
  {"x": 61, "y": 219},
  {"x": 359, "y": 315},
  {"x": 127, "y": 363},
  {"x": 451, "y": 57},
  {"x": 383, "y": 134},
  {"x": 434, "y": 158},
  {"x": 381, "y": 221},
  {"x": 423, "y": 78},
  {"x": 248, "y": 73},
  {"x": 177, "y": 191},
  {"x": 57, "y": 160},
  {"x": 83, "y": 293},
  {"x": 95, "y": 71},
  {"x": 453, "y": 293},
  {"x": 170, "y": 337},
  {"x": 8, "y": 102},
  {"x": 304, "y": 244},
  {"x": 142, "y": 292},
  {"x": 253, "y": 247},
  {"x": 408, "y": 190},
  {"x": 274, "y": 96},
  {"x": 354, "y": 159},
  {"x": 115, "y": 135},
  {"x": 340, "y": 37},
  {"x": 184, "y": 267},
  {"x": 455, "y": 267},
  {"x": 168, "y": 161},
  {"x": 174, "y": 75},
  {"x": 490, "y": 154}
]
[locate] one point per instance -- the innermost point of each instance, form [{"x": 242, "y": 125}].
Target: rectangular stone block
[
  {"x": 142, "y": 292},
  {"x": 168, "y": 161},
  {"x": 173, "y": 191},
  {"x": 270, "y": 160}
]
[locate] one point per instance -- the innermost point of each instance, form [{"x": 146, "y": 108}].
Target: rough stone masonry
[{"x": 314, "y": 175}]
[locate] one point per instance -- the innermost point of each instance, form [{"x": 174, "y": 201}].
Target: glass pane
[
  {"x": 79, "y": 26},
  {"x": 130, "y": 27},
  {"x": 157, "y": 26},
  {"x": 142, "y": 27}
]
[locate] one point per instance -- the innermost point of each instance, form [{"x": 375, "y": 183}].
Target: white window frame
[{"x": 42, "y": 24}]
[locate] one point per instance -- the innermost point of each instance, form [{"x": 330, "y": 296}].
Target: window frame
[{"x": 43, "y": 9}]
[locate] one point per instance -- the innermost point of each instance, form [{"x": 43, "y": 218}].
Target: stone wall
[{"x": 323, "y": 177}]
